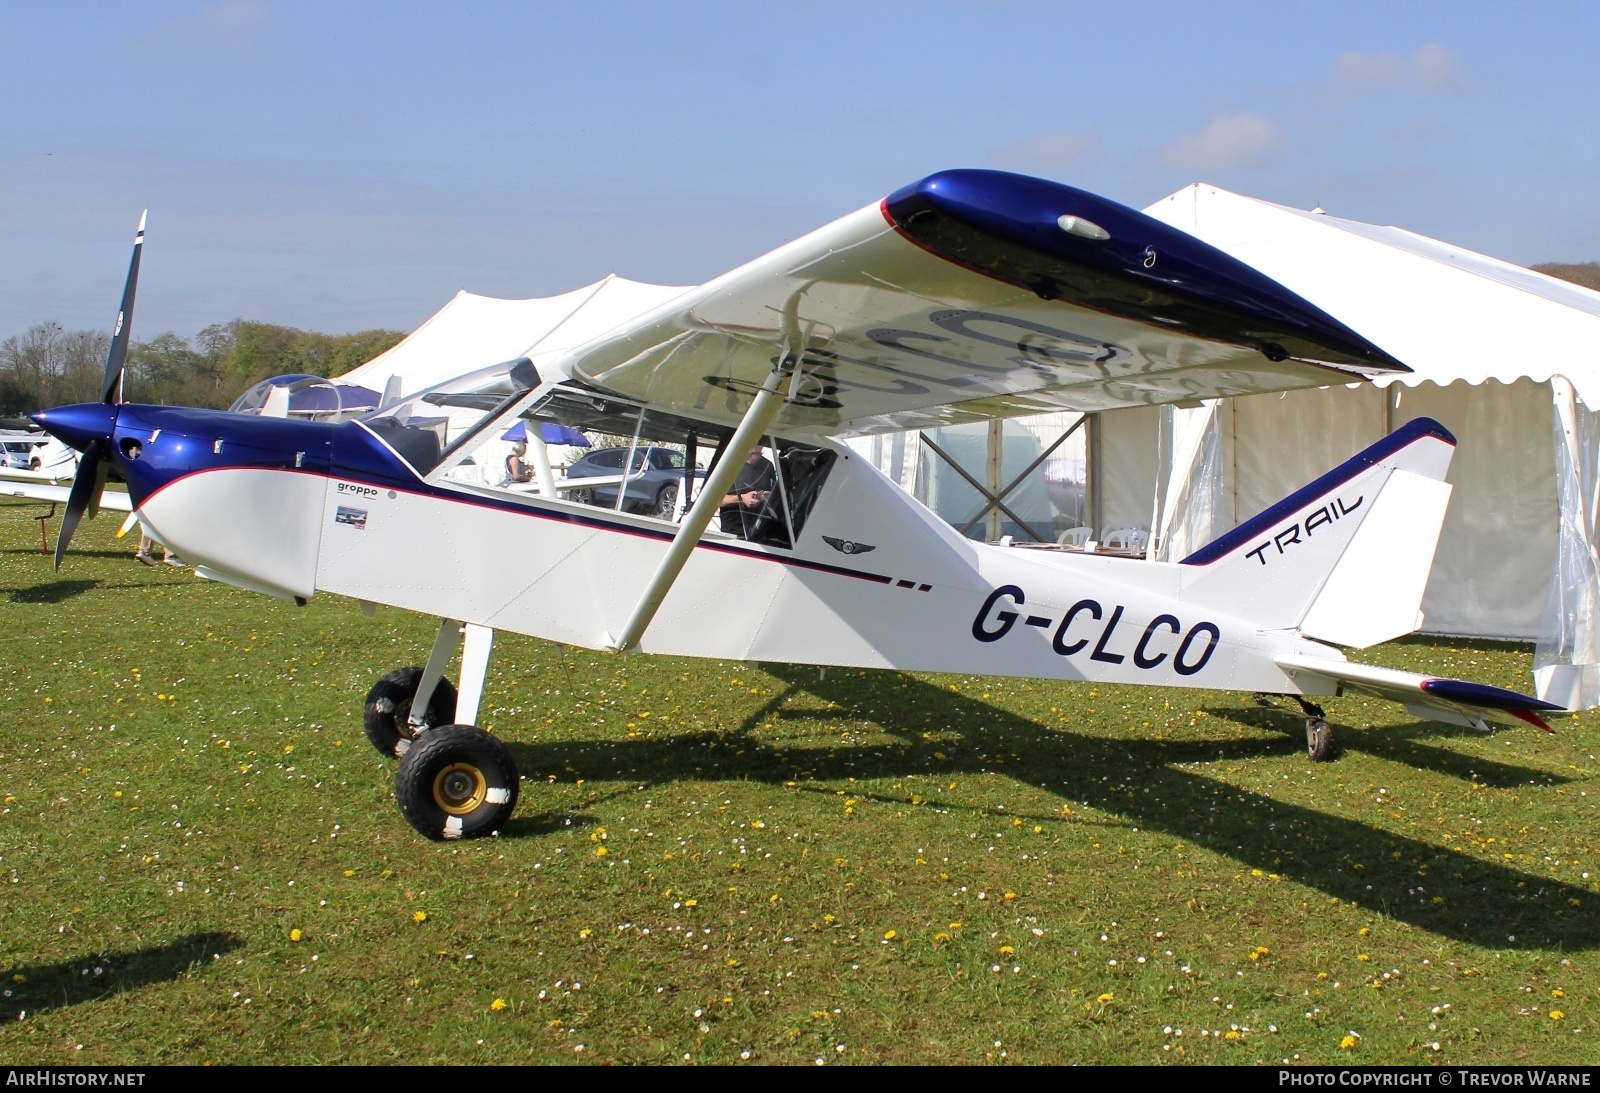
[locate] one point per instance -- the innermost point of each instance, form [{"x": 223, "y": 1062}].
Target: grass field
[{"x": 717, "y": 862}]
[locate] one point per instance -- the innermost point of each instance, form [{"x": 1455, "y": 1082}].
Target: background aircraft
[{"x": 965, "y": 296}]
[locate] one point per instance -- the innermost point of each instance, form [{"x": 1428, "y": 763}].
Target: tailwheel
[
  {"x": 386, "y": 717},
  {"x": 1319, "y": 740},
  {"x": 457, "y": 782}
]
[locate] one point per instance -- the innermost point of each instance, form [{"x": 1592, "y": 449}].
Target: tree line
[{"x": 51, "y": 366}]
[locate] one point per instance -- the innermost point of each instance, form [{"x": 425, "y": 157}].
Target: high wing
[{"x": 976, "y": 294}]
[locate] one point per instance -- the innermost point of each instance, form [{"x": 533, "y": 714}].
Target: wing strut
[{"x": 763, "y": 408}]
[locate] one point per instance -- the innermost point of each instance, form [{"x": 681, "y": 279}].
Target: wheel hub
[{"x": 460, "y": 788}]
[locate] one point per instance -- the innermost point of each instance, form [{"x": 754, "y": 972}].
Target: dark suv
[{"x": 658, "y": 478}]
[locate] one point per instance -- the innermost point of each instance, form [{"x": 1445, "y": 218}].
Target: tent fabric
[
  {"x": 1487, "y": 342},
  {"x": 1496, "y": 556},
  {"x": 475, "y": 331},
  {"x": 1566, "y": 662},
  {"x": 1447, "y": 312}
]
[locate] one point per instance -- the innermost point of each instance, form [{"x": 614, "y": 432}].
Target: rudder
[{"x": 1345, "y": 558}]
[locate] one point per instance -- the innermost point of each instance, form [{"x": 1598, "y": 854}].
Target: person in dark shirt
[
  {"x": 516, "y": 469},
  {"x": 743, "y": 503}
]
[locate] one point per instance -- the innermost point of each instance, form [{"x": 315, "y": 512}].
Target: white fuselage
[{"x": 896, "y": 588}]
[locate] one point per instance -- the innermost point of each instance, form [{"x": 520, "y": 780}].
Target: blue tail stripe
[{"x": 1251, "y": 530}]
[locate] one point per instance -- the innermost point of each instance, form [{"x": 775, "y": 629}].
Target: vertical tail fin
[{"x": 1345, "y": 559}]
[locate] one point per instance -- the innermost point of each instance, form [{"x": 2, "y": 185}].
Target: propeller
[{"x": 90, "y": 427}]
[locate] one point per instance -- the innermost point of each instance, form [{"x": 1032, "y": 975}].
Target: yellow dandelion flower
[
  {"x": 1363, "y": 957},
  {"x": 1558, "y": 993},
  {"x": 1105, "y": 998},
  {"x": 1006, "y": 950},
  {"x": 419, "y": 916},
  {"x": 1365, "y": 931},
  {"x": 1556, "y": 1015},
  {"x": 691, "y": 902},
  {"x": 1231, "y": 1034},
  {"x": 829, "y": 919},
  {"x": 349, "y": 872},
  {"x": 941, "y": 936},
  {"x": 601, "y": 852},
  {"x": 295, "y": 934},
  {"x": 1347, "y": 1043},
  {"x": 1011, "y": 895},
  {"x": 586, "y": 932},
  {"x": 889, "y": 935},
  {"x": 497, "y": 1005}
]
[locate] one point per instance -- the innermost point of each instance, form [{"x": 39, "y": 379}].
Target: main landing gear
[
  {"x": 455, "y": 780},
  {"x": 1319, "y": 737}
]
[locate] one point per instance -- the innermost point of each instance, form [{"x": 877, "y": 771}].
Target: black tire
[
  {"x": 457, "y": 782},
  {"x": 667, "y": 501},
  {"x": 1319, "y": 740},
  {"x": 386, "y": 715},
  {"x": 581, "y": 497}
]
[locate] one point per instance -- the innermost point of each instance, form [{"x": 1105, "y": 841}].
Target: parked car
[
  {"x": 655, "y": 479},
  {"x": 19, "y": 454}
]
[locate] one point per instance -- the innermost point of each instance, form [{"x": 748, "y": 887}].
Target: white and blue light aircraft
[{"x": 967, "y": 295}]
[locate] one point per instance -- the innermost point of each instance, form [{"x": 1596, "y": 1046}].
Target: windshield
[{"x": 426, "y": 428}]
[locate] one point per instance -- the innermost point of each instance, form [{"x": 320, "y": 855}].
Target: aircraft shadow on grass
[
  {"x": 1404, "y": 744},
  {"x": 38, "y": 988},
  {"x": 51, "y": 592},
  {"x": 1143, "y": 781}
]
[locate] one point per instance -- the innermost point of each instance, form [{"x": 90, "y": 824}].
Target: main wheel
[
  {"x": 1319, "y": 740},
  {"x": 387, "y": 714},
  {"x": 581, "y": 497},
  {"x": 667, "y": 501},
  {"x": 458, "y": 782}
]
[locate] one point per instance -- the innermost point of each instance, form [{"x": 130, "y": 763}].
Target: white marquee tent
[
  {"x": 1508, "y": 359},
  {"x": 473, "y": 332}
]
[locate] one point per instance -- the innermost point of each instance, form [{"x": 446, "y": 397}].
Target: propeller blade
[
  {"x": 84, "y": 494},
  {"x": 111, "y": 389}
]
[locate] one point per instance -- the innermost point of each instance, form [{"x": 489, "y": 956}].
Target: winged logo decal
[{"x": 847, "y": 546}]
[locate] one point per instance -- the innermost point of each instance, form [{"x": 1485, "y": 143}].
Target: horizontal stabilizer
[{"x": 1453, "y": 701}]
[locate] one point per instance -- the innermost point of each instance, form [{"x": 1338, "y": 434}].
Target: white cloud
[
  {"x": 1433, "y": 67},
  {"x": 1048, "y": 152},
  {"x": 1237, "y": 139}
]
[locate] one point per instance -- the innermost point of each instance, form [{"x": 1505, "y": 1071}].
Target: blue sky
[{"x": 350, "y": 165}]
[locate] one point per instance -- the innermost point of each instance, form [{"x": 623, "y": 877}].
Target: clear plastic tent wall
[
  {"x": 1566, "y": 663},
  {"x": 1194, "y": 501}
]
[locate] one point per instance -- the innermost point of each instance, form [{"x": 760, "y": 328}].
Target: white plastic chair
[
  {"x": 1129, "y": 538},
  {"x": 1075, "y": 536}
]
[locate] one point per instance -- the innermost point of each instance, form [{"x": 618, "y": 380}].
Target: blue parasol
[{"x": 553, "y": 434}]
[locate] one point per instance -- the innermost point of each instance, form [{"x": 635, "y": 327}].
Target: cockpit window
[
  {"x": 427, "y": 428},
  {"x": 587, "y": 447}
]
